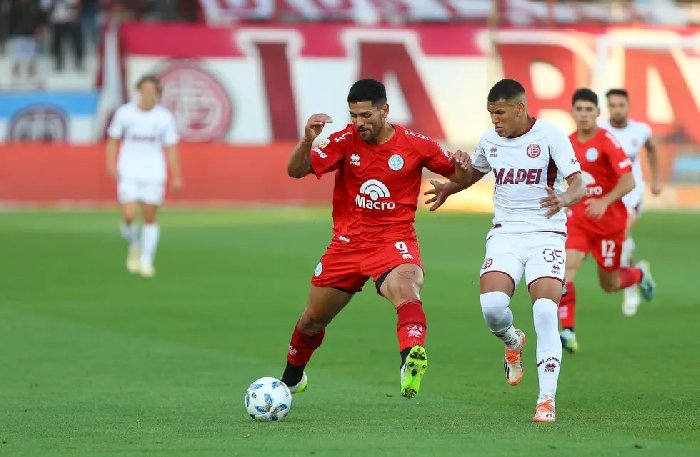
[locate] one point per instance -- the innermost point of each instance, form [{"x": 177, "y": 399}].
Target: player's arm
[
  {"x": 173, "y": 155},
  {"x": 463, "y": 176},
  {"x": 299, "y": 164},
  {"x": 111, "y": 156},
  {"x": 115, "y": 131},
  {"x": 596, "y": 207},
  {"x": 573, "y": 194},
  {"x": 653, "y": 161}
]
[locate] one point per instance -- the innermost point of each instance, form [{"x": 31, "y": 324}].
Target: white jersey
[
  {"x": 143, "y": 135},
  {"x": 523, "y": 167},
  {"x": 632, "y": 137}
]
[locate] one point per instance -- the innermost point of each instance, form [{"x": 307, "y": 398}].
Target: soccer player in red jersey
[
  {"x": 597, "y": 224},
  {"x": 378, "y": 168}
]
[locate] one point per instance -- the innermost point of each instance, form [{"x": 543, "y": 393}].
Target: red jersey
[
  {"x": 602, "y": 161},
  {"x": 377, "y": 185}
]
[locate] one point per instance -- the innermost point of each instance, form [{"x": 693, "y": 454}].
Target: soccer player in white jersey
[
  {"x": 144, "y": 128},
  {"x": 529, "y": 158},
  {"x": 632, "y": 135}
]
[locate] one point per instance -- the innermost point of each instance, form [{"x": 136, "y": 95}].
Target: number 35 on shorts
[{"x": 556, "y": 258}]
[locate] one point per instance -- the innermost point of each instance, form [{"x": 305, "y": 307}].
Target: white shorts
[
  {"x": 633, "y": 200},
  {"x": 22, "y": 49},
  {"x": 137, "y": 190},
  {"x": 538, "y": 255}
]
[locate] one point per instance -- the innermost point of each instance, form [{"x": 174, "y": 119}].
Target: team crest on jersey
[
  {"x": 395, "y": 162},
  {"x": 355, "y": 160},
  {"x": 533, "y": 151},
  {"x": 487, "y": 263},
  {"x": 592, "y": 154}
]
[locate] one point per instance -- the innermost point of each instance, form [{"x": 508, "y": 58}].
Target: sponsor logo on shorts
[
  {"x": 533, "y": 151},
  {"x": 202, "y": 108},
  {"x": 318, "y": 270},
  {"x": 487, "y": 263},
  {"x": 372, "y": 196},
  {"x": 518, "y": 175},
  {"x": 395, "y": 162}
]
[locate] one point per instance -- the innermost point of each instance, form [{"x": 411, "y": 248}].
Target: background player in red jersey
[
  {"x": 378, "y": 174},
  {"x": 597, "y": 224}
]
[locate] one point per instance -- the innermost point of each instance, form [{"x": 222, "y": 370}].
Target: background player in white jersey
[
  {"x": 144, "y": 128},
  {"x": 632, "y": 135},
  {"x": 529, "y": 158}
]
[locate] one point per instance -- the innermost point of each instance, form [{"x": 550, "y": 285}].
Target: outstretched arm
[
  {"x": 573, "y": 194},
  {"x": 597, "y": 206},
  {"x": 653, "y": 160},
  {"x": 299, "y": 164}
]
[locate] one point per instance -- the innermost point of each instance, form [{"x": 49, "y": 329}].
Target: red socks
[
  {"x": 630, "y": 277},
  {"x": 567, "y": 307},
  {"x": 411, "y": 326},
  {"x": 302, "y": 346}
]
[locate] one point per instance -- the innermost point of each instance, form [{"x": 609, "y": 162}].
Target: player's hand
[
  {"x": 439, "y": 192},
  {"x": 314, "y": 126},
  {"x": 553, "y": 202},
  {"x": 655, "y": 188},
  {"x": 176, "y": 184},
  {"x": 595, "y": 208},
  {"x": 461, "y": 159}
]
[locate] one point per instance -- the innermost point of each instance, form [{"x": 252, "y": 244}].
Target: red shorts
[
  {"x": 606, "y": 249},
  {"x": 347, "y": 266}
]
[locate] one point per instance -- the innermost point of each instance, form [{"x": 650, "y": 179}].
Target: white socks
[
  {"x": 130, "y": 232},
  {"x": 627, "y": 252},
  {"x": 149, "y": 241},
  {"x": 499, "y": 318},
  {"x": 548, "y": 346}
]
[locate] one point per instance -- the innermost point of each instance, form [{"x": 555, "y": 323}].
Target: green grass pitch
[{"x": 97, "y": 362}]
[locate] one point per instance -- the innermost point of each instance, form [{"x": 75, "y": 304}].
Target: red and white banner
[{"x": 259, "y": 84}]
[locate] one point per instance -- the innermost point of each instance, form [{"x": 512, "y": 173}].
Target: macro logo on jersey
[
  {"x": 592, "y": 154},
  {"x": 38, "y": 123},
  {"x": 201, "y": 106},
  {"x": 589, "y": 181},
  {"x": 518, "y": 175},
  {"x": 533, "y": 151},
  {"x": 395, "y": 162},
  {"x": 372, "y": 195}
]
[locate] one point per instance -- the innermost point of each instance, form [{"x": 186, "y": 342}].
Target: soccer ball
[{"x": 268, "y": 399}]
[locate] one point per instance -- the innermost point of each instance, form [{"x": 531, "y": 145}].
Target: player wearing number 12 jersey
[
  {"x": 597, "y": 224},
  {"x": 378, "y": 168}
]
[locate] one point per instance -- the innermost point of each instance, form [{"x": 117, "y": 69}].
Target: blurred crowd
[
  {"x": 58, "y": 26},
  {"x": 71, "y": 28}
]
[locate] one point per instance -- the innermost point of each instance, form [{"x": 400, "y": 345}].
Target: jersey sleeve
[
  {"x": 619, "y": 161},
  {"x": 329, "y": 153},
  {"x": 116, "y": 127},
  {"x": 435, "y": 158},
  {"x": 171, "y": 137},
  {"x": 479, "y": 160},
  {"x": 562, "y": 153}
]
